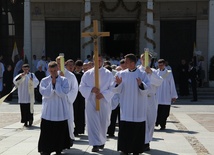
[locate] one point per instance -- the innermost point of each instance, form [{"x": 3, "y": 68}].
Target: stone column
[
  {"x": 27, "y": 31},
  {"x": 150, "y": 21},
  {"x": 87, "y": 22},
  {"x": 211, "y": 31}
]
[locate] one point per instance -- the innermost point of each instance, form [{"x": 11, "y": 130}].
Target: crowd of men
[{"x": 135, "y": 95}]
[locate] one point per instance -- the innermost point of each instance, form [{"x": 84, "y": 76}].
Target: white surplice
[
  {"x": 167, "y": 90},
  {"x": 72, "y": 94},
  {"x": 43, "y": 64},
  {"x": 152, "y": 105},
  {"x": 55, "y": 106},
  {"x": 133, "y": 100},
  {"x": 97, "y": 121},
  {"x": 23, "y": 92}
]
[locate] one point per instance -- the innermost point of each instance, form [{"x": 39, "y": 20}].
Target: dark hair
[
  {"x": 161, "y": 61},
  {"x": 108, "y": 67},
  {"x": 79, "y": 63},
  {"x": 107, "y": 63},
  {"x": 25, "y": 66},
  {"x": 122, "y": 61},
  {"x": 52, "y": 64},
  {"x": 131, "y": 57},
  {"x": 69, "y": 60}
]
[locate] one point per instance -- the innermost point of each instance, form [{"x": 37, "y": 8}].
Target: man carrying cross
[{"x": 97, "y": 120}]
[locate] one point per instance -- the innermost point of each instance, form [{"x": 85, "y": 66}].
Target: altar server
[
  {"x": 54, "y": 135},
  {"x": 26, "y": 82},
  {"x": 152, "y": 105},
  {"x": 132, "y": 85},
  {"x": 166, "y": 94},
  {"x": 71, "y": 95}
]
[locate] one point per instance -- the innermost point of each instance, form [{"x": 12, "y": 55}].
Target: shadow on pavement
[
  {"x": 159, "y": 152},
  {"x": 105, "y": 151},
  {"x": 175, "y": 131}
]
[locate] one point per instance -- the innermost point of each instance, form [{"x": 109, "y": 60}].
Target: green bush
[{"x": 211, "y": 69}]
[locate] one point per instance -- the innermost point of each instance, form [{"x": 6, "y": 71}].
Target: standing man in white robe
[
  {"x": 22, "y": 81},
  {"x": 97, "y": 121},
  {"x": 42, "y": 63},
  {"x": 34, "y": 64},
  {"x": 166, "y": 94},
  {"x": 71, "y": 96},
  {"x": 54, "y": 135},
  {"x": 152, "y": 105},
  {"x": 18, "y": 67},
  {"x": 132, "y": 85}
]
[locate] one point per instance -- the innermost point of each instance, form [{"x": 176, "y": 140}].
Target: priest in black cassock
[
  {"x": 79, "y": 103},
  {"x": 132, "y": 85},
  {"x": 40, "y": 74},
  {"x": 8, "y": 82}
]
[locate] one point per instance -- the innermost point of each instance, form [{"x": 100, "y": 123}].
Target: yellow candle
[
  {"x": 62, "y": 63},
  {"x": 146, "y": 56}
]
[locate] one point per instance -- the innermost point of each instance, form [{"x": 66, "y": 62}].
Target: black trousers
[
  {"x": 26, "y": 115},
  {"x": 114, "y": 115},
  {"x": 163, "y": 114}
]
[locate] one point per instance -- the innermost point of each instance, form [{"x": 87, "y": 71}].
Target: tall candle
[
  {"x": 146, "y": 56},
  {"x": 62, "y": 63}
]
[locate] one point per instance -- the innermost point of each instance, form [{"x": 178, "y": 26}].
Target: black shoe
[
  {"x": 95, "y": 149},
  {"x": 76, "y": 134},
  {"x": 146, "y": 147},
  {"x": 58, "y": 152},
  {"x": 163, "y": 128},
  {"x": 44, "y": 153},
  {"x": 123, "y": 153},
  {"x": 71, "y": 142},
  {"x": 26, "y": 124},
  {"x": 102, "y": 146},
  {"x": 111, "y": 135},
  {"x": 30, "y": 123}
]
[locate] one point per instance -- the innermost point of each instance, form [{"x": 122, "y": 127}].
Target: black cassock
[
  {"x": 183, "y": 80},
  {"x": 79, "y": 109},
  {"x": 8, "y": 84},
  {"x": 39, "y": 75}
]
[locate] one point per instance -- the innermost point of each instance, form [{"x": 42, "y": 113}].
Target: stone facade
[{"x": 42, "y": 10}]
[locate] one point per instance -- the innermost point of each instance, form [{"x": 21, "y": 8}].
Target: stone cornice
[{"x": 80, "y": 1}]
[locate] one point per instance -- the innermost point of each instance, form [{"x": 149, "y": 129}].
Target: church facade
[{"x": 178, "y": 27}]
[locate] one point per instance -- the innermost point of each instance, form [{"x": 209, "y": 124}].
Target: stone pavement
[{"x": 190, "y": 131}]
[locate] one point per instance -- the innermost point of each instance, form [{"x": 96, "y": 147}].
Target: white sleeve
[
  {"x": 61, "y": 87},
  {"x": 73, "y": 90},
  {"x": 84, "y": 89},
  {"x": 46, "y": 88}
]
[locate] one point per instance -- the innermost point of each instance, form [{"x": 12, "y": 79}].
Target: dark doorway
[
  {"x": 177, "y": 40},
  {"x": 122, "y": 38},
  {"x": 63, "y": 37}
]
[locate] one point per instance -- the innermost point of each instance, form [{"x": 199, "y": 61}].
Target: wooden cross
[{"x": 95, "y": 35}]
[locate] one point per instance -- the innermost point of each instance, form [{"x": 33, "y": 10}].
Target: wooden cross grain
[{"x": 95, "y": 35}]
